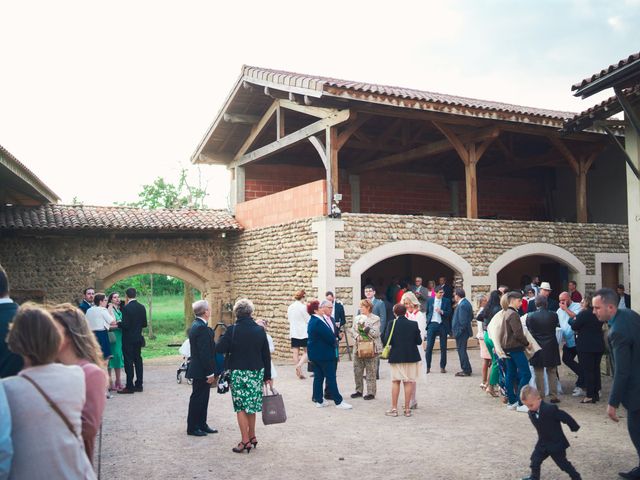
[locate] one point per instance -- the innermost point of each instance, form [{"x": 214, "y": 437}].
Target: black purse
[{"x": 224, "y": 382}]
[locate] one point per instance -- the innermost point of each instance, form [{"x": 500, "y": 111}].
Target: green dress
[{"x": 117, "y": 359}]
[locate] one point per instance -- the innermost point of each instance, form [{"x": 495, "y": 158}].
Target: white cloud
[{"x": 616, "y": 23}]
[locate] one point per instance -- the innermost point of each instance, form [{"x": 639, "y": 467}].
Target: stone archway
[
  {"x": 179, "y": 267},
  {"x": 407, "y": 247},
  {"x": 559, "y": 254}
]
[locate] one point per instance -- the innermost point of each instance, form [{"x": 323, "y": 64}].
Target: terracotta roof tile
[
  {"x": 319, "y": 83},
  {"x": 611, "y": 68},
  {"x": 82, "y": 217},
  {"x": 601, "y": 111}
]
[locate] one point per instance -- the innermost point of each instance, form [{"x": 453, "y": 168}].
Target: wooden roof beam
[
  {"x": 293, "y": 138},
  {"x": 318, "y": 112},
  {"x": 428, "y": 150},
  {"x": 257, "y": 130}
]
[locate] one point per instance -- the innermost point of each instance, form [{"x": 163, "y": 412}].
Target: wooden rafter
[
  {"x": 427, "y": 150},
  {"x": 289, "y": 140},
  {"x": 319, "y": 112},
  {"x": 257, "y": 130},
  {"x": 351, "y": 129}
]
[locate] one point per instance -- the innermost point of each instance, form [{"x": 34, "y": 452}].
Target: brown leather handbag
[{"x": 365, "y": 349}]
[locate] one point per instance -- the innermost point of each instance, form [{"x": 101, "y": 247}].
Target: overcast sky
[{"x": 100, "y": 98}]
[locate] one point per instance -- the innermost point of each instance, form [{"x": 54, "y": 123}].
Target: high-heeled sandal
[
  {"x": 392, "y": 413},
  {"x": 407, "y": 412},
  {"x": 254, "y": 441},
  {"x": 242, "y": 447}
]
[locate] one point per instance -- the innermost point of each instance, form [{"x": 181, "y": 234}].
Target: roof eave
[
  {"x": 21, "y": 171},
  {"x": 609, "y": 80}
]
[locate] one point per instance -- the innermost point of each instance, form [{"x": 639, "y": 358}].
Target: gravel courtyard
[{"x": 458, "y": 432}]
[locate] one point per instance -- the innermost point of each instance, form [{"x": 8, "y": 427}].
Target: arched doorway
[
  {"x": 411, "y": 254},
  {"x": 405, "y": 268},
  {"x": 551, "y": 263}
]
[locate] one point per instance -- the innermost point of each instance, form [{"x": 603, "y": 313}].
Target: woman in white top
[
  {"x": 298, "y": 320},
  {"x": 100, "y": 321},
  {"x": 46, "y": 442},
  {"x": 412, "y": 304},
  {"x": 272, "y": 348}
]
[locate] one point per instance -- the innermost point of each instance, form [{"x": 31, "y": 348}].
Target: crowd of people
[
  {"x": 524, "y": 335},
  {"x": 57, "y": 362},
  {"x": 53, "y": 365}
]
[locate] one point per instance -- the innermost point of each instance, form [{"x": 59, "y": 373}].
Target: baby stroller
[{"x": 185, "y": 351}]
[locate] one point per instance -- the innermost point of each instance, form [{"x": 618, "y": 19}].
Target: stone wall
[
  {"x": 268, "y": 266},
  {"x": 479, "y": 242},
  {"x": 61, "y": 266}
]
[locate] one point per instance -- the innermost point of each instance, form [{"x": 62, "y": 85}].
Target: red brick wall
[
  {"x": 403, "y": 193},
  {"x": 261, "y": 180},
  {"x": 407, "y": 193},
  {"x": 304, "y": 201}
]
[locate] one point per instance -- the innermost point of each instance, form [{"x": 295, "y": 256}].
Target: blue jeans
[
  {"x": 461, "y": 346},
  {"x": 517, "y": 369},
  {"x": 436, "y": 330},
  {"x": 322, "y": 370}
]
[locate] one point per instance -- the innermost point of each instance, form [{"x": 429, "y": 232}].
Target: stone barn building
[{"x": 338, "y": 183}]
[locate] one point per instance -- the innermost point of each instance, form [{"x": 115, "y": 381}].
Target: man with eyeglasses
[{"x": 87, "y": 301}]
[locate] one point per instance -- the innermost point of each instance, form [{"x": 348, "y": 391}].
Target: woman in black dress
[{"x": 590, "y": 346}]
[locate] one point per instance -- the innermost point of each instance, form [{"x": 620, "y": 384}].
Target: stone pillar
[
  {"x": 632, "y": 142},
  {"x": 326, "y": 254}
]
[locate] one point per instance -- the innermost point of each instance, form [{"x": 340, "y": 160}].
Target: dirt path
[{"x": 458, "y": 432}]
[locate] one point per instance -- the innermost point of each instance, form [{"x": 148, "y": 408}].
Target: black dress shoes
[
  {"x": 126, "y": 390},
  {"x": 356, "y": 395},
  {"x": 208, "y": 429},
  {"x": 635, "y": 473},
  {"x": 197, "y": 433},
  {"x": 137, "y": 389},
  {"x": 369, "y": 396}
]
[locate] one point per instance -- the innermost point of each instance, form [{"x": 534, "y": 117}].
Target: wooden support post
[
  {"x": 280, "y": 128},
  {"x": 331, "y": 146},
  {"x": 471, "y": 181},
  {"x": 470, "y": 154},
  {"x": 580, "y": 166}
]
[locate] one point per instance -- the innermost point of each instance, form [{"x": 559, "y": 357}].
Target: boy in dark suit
[{"x": 548, "y": 420}]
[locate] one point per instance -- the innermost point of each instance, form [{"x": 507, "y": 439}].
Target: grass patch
[{"x": 168, "y": 325}]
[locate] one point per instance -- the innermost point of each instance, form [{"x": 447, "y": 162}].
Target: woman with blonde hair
[
  {"x": 412, "y": 304},
  {"x": 45, "y": 401},
  {"x": 79, "y": 347},
  {"x": 366, "y": 327}
]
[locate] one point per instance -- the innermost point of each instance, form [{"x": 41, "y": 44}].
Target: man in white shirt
[
  {"x": 625, "y": 299},
  {"x": 568, "y": 311}
]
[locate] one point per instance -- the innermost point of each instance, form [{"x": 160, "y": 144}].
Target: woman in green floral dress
[
  {"x": 115, "y": 336},
  {"x": 249, "y": 360}
]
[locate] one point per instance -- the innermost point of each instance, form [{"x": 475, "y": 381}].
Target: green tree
[{"x": 164, "y": 194}]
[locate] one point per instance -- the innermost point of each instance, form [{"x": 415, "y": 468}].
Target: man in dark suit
[
  {"x": 624, "y": 341},
  {"x": 336, "y": 318},
  {"x": 10, "y": 363},
  {"x": 421, "y": 293},
  {"x": 461, "y": 330},
  {"x": 548, "y": 420},
  {"x": 625, "y": 298},
  {"x": 338, "y": 310},
  {"x": 134, "y": 319},
  {"x": 448, "y": 289},
  {"x": 87, "y": 301},
  {"x": 323, "y": 352},
  {"x": 201, "y": 369},
  {"x": 438, "y": 321}
]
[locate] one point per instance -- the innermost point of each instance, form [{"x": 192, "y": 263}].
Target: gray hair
[
  {"x": 243, "y": 308},
  {"x": 325, "y": 303},
  {"x": 542, "y": 301},
  {"x": 199, "y": 307}
]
